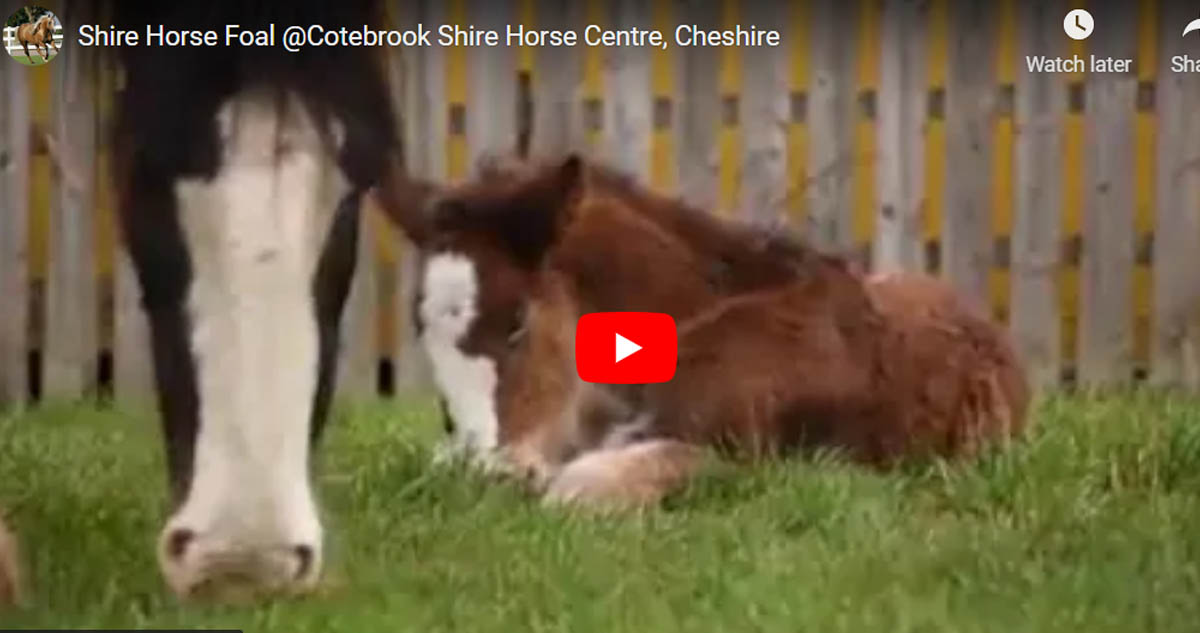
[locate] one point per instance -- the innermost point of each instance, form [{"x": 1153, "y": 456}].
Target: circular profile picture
[{"x": 33, "y": 35}]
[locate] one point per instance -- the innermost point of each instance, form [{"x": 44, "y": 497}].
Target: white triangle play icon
[{"x": 625, "y": 347}]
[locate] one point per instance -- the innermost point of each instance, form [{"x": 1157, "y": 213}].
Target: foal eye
[{"x": 519, "y": 327}]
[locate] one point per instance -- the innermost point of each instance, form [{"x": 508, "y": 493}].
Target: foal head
[
  {"x": 512, "y": 259},
  {"x": 484, "y": 246}
]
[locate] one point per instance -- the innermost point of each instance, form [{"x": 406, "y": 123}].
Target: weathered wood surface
[
  {"x": 1105, "y": 351},
  {"x": 70, "y": 346},
  {"x": 1040, "y": 107},
  {"x": 1176, "y": 344},
  {"x": 14, "y": 227},
  {"x": 900, "y": 119},
  {"x": 765, "y": 114},
  {"x": 889, "y": 125},
  {"x": 698, "y": 108},
  {"x": 831, "y": 114},
  {"x": 970, "y": 91}
]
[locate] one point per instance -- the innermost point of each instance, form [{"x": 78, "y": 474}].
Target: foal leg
[
  {"x": 627, "y": 477},
  {"x": 9, "y": 580}
]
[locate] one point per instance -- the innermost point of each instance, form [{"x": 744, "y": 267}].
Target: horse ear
[
  {"x": 571, "y": 176},
  {"x": 571, "y": 183},
  {"x": 405, "y": 200}
]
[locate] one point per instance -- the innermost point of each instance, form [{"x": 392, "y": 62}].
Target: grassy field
[
  {"x": 1092, "y": 524},
  {"x": 32, "y": 61}
]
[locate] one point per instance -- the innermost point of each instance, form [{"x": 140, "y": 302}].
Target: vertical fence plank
[
  {"x": 1107, "y": 264},
  {"x": 558, "y": 77},
  {"x": 411, "y": 368},
  {"x": 864, "y": 195},
  {"x": 628, "y": 119},
  {"x": 729, "y": 133},
  {"x": 387, "y": 247},
  {"x": 765, "y": 120},
  {"x": 526, "y": 21},
  {"x": 492, "y": 83},
  {"x": 664, "y": 169},
  {"x": 14, "y": 214},
  {"x": 357, "y": 377},
  {"x": 408, "y": 72},
  {"x": 133, "y": 370},
  {"x": 593, "y": 97},
  {"x": 454, "y": 71},
  {"x": 934, "y": 183},
  {"x": 1145, "y": 166},
  {"x": 1071, "y": 233},
  {"x": 106, "y": 241},
  {"x": 1040, "y": 111},
  {"x": 798, "y": 40},
  {"x": 133, "y": 365},
  {"x": 901, "y": 147},
  {"x": 830, "y": 122},
  {"x": 1176, "y": 350},
  {"x": 699, "y": 109},
  {"x": 41, "y": 199},
  {"x": 969, "y": 109},
  {"x": 1003, "y": 165},
  {"x": 71, "y": 311}
]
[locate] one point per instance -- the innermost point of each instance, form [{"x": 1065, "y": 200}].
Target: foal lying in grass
[{"x": 781, "y": 348}]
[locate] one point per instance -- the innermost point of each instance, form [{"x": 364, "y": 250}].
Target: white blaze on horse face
[
  {"x": 448, "y": 310},
  {"x": 254, "y": 234}
]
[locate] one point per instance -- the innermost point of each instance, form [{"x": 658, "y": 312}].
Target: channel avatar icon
[{"x": 33, "y": 35}]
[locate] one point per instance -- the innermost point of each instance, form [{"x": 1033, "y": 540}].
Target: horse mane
[
  {"x": 731, "y": 241},
  {"x": 36, "y": 25},
  {"x": 171, "y": 94}
]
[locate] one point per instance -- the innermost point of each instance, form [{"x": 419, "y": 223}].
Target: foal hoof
[
  {"x": 622, "y": 479},
  {"x": 10, "y": 587}
]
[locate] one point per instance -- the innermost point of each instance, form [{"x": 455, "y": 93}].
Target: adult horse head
[
  {"x": 40, "y": 33},
  {"x": 240, "y": 172},
  {"x": 781, "y": 348}
]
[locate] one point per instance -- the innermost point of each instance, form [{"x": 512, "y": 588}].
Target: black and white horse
[{"x": 240, "y": 172}]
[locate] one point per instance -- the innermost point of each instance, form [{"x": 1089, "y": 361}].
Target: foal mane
[{"x": 763, "y": 253}]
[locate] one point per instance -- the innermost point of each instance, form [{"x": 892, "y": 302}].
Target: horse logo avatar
[{"x": 33, "y": 35}]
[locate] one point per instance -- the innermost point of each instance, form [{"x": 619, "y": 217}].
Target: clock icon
[{"x": 1079, "y": 24}]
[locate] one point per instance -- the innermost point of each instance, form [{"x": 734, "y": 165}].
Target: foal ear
[
  {"x": 405, "y": 200},
  {"x": 570, "y": 183},
  {"x": 571, "y": 179},
  {"x": 567, "y": 190}
]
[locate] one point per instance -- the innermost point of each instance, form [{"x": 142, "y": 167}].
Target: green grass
[
  {"x": 32, "y": 61},
  {"x": 1092, "y": 524}
]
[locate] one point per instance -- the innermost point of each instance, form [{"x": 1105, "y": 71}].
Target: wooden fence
[
  {"x": 13, "y": 47},
  {"x": 906, "y": 132}
]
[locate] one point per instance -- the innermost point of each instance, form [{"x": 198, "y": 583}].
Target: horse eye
[{"x": 519, "y": 328}]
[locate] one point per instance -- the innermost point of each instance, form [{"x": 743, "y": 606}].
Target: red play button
[{"x": 624, "y": 348}]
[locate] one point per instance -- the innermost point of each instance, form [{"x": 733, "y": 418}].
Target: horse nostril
[
  {"x": 178, "y": 541},
  {"x": 304, "y": 554}
]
